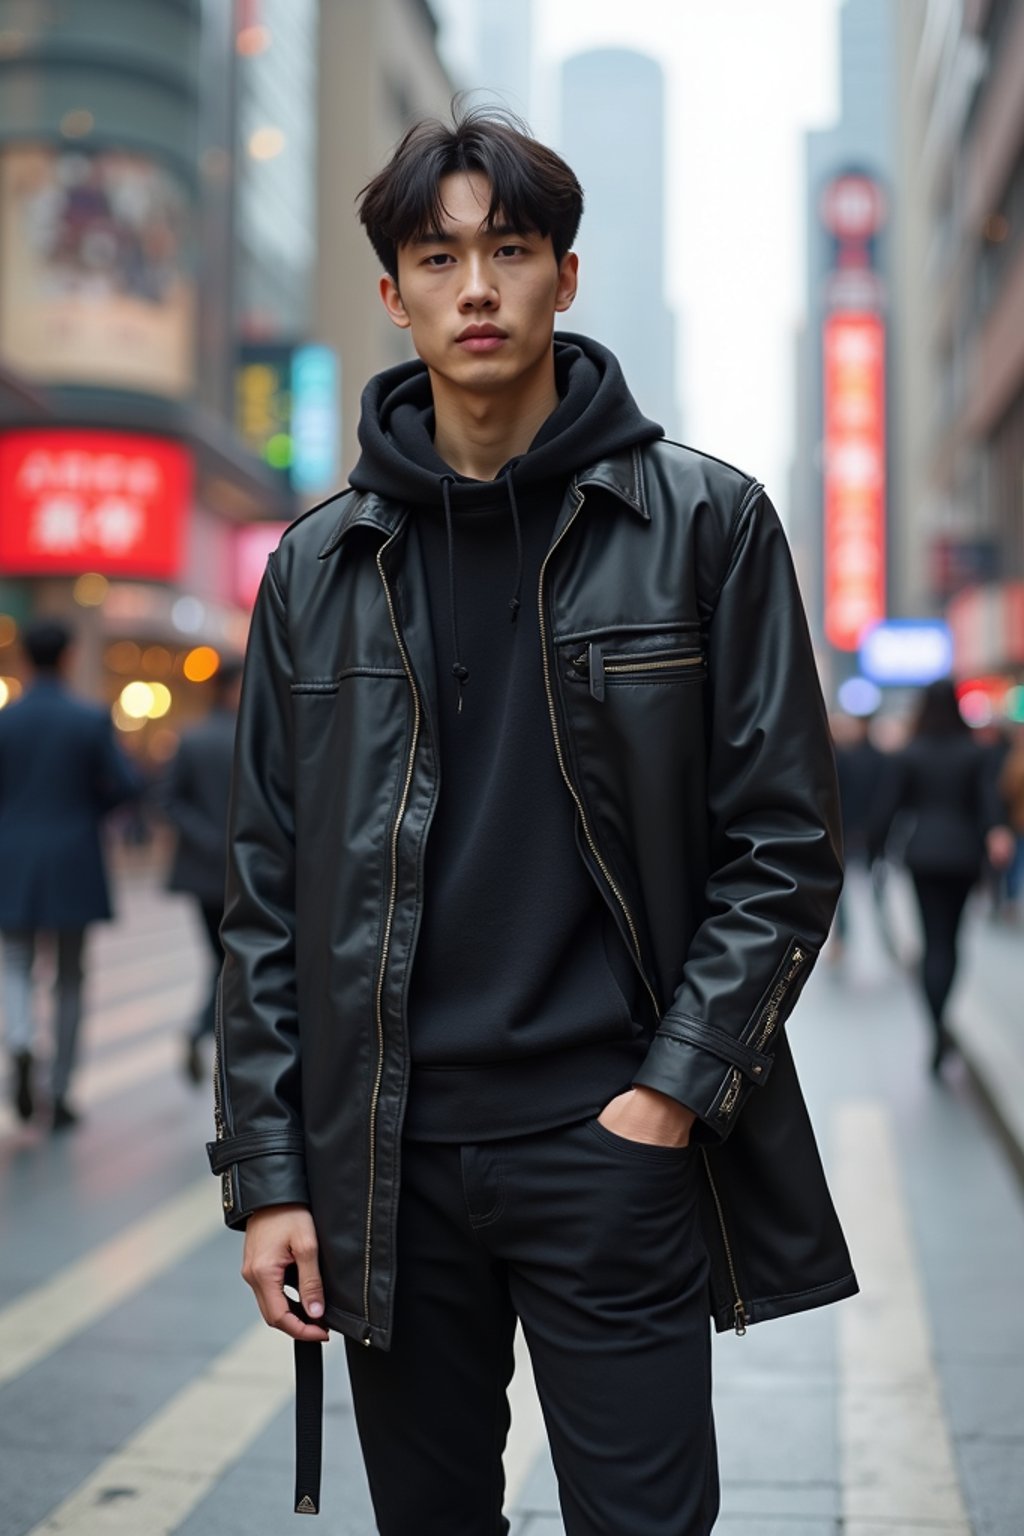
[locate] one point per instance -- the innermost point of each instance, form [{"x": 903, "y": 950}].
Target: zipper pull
[
  {"x": 740, "y": 1319},
  {"x": 596, "y": 656}
]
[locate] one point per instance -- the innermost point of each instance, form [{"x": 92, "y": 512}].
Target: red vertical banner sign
[{"x": 855, "y": 482}]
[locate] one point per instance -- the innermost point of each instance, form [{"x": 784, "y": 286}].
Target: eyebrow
[{"x": 496, "y": 231}]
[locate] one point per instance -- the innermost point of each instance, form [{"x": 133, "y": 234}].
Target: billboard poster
[
  {"x": 855, "y": 476},
  {"x": 76, "y": 500},
  {"x": 96, "y": 285},
  {"x": 287, "y": 409}
]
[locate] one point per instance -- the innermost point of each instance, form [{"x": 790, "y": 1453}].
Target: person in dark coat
[
  {"x": 860, "y": 766},
  {"x": 194, "y": 797},
  {"x": 60, "y": 773},
  {"x": 941, "y": 783}
]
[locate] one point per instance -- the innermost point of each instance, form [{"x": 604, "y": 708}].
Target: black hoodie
[{"x": 521, "y": 1007}]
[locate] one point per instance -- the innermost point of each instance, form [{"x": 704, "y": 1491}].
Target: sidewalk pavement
[
  {"x": 986, "y": 1011},
  {"x": 987, "y": 1019}
]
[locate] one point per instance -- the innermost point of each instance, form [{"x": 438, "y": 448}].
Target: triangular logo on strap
[{"x": 306, "y": 1506}]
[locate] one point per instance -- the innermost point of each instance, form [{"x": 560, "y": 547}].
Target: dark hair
[
  {"x": 938, "y": 712},
  {"x": 532, "y": 188},
  {"x": 44, "y": 642}
]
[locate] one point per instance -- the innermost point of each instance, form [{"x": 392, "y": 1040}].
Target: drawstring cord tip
[{"x": 460, "y": 672}]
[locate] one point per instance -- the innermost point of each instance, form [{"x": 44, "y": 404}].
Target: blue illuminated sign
[
  {"x": 906, "y": 653},
  {"x": 316, "y": 420}
]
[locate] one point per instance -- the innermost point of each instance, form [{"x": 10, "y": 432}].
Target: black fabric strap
[{"x": 309, "y": 1419}]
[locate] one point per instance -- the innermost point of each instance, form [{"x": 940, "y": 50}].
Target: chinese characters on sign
[
  {"x": 854, "y": 476},
  {"x": 73, "y": 501}
]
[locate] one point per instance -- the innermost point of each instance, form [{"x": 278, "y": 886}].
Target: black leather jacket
[{"x": 691, "y": 735}]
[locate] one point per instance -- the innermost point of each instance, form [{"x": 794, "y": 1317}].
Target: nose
[{"x": 478, "y": 290}]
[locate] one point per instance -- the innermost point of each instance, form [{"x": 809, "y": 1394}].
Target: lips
[{"x": 481, "y": 338}]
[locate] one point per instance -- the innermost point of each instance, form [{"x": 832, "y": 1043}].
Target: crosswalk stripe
[
  {"x": 119, "y": 983},
  {"x": 47, "y": 1316},
  {"x": 527, "y": 1436},
  {"x": 897, "y": 1467},
  {"x": 159, "y": 1475},
  {"x": 168, "y": 1005},
  {"x": 128, "y": 1068}
]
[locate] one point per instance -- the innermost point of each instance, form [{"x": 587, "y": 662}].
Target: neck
[{"x": 477, "y": 433}]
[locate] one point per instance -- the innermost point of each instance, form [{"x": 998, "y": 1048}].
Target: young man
[{"x": 534, "y": 841}]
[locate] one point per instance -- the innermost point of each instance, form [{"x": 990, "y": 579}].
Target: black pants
[
  {"x": 593, "y": 1242},
  {"x": 941, "y": 899}
]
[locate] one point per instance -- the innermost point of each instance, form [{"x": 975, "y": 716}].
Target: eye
[
  {"x": 511, "y": 250},
  {"x": 438, "y": 259}
]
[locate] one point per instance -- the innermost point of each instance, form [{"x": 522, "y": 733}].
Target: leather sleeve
[
  {"x": 259, "y": 1150},
  {"x": 776, "y": 863}
]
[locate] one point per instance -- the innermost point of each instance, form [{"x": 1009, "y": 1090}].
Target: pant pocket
[{"x": 636, "y": 1151}]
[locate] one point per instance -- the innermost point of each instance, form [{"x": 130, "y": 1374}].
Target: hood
[{"x": 596, "y": 416}]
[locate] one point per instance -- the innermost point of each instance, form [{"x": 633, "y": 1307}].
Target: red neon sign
[
  {"x": 77, "y": 500},
  {"x": 254, "y": 544},
  {"x": 855, "y": 483}
]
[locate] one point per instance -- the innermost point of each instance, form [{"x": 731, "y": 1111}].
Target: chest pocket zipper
[{"x": 601, "y": 667}]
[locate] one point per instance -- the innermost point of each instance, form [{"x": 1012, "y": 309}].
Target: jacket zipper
[
  {"x": 652, "y": 666},
  {"x": 773, "y": 1007},
  {"x": 731, "y": 1094},
  {"x": 578, "y": 494},
  {"x": 386, "y": 944},
  {"x": 227, "y": 1196},
  {"x": 739, "y": 1311},
  {"x": 594, "y": 662}
]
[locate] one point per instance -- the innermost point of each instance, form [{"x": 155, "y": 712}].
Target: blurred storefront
[
  {"x": 180, "y": 273},
  {"x": 123, "y": 484},
  {"x": 962, "y": 91}
]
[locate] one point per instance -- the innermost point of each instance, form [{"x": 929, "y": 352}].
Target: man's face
[{"x": 480, "y": 303}]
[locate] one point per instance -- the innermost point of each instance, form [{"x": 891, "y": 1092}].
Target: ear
[
  {"x": 568, "y": 278},
  {"x": 393, "y": 302}
]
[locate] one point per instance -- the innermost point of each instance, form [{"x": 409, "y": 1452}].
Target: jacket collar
[{"x": 622, "y": 474}]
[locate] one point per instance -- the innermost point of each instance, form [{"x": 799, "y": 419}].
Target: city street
[{"x": 140, "y": 1394}]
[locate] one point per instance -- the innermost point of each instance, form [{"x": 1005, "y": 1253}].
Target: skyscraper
[
  {"x": 504, "y": 52},
  {"x": 613, "y": 136}
]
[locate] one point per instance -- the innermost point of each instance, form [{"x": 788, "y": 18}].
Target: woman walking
[{"x": 942, "y": 783}]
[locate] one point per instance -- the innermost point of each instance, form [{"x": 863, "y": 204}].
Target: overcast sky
[{"x": 745, "y": 79}]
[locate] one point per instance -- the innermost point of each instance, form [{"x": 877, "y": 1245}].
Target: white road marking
[
  {"x": 150, "y": 1485},
  {"x": 138, "y": 1015},
  {"x": 100, "y": 1080},
  {"x": 527, "y": 1435},
  {"x": 40, "y": 1321},
  {"x": 897, "y": 1468}
]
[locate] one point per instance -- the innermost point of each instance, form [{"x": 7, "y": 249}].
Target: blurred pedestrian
[
  {"x": 534, "y": 841},
  {"x": 60, "y": 773},
  {"x": 193, "y": 795},
  {"x": 1011, "y": 789},
  {"x": 860, "y": 767},
  {"x": 941, "y": 786}
]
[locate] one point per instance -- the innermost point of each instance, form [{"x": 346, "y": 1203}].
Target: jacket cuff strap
[
  {"x": 714, "y": 1089},
  {"x": 754, "y": 1065},
  {"x": 238, "y": 1149}
]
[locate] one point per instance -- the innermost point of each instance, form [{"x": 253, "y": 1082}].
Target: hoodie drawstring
[
  {"x": 460, "y": 671},
  {"x": 513, "y": 601}
]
